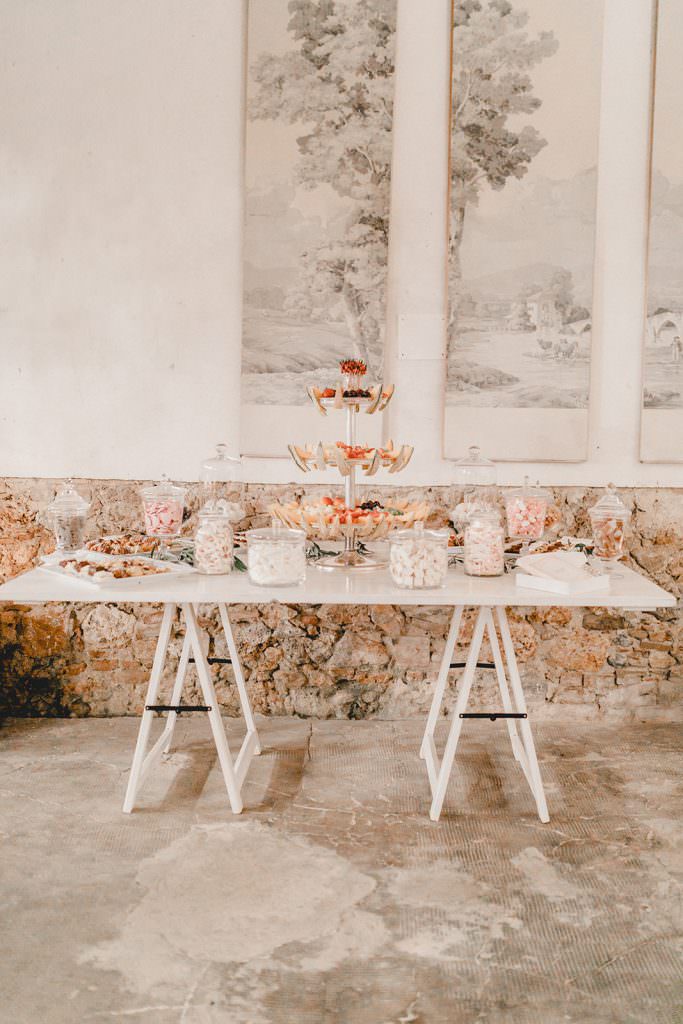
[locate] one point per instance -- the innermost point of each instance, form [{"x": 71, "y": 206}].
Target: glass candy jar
[
  {"x": 213, "y": 540},
  {"x": 609, "y": 520},
  {"x": 353, "y": 371},
  {"x": 163, "y": 506},
  {"x": 220, "y": 474},
  {"x": 276, "y": 556},
  {"x": 484, "y": 545},
  {"x": 418, "y": 558},
  {"x": 526, "y": 510},
  {"x": 67, "y": 514},
  {"x": 476, "y": 476}
]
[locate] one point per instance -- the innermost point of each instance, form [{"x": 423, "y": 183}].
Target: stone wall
[{"x": 339, "y": 661}]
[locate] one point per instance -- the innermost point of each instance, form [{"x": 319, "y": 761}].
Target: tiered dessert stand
[{"x": 352, "y": 396}]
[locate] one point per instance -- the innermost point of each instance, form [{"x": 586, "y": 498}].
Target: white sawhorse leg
[
  {"x": 439, "y": 772},
  {"x": 234, "y": 772}
]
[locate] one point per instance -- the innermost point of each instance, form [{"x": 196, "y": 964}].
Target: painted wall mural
[
  {"x": 662, "y": 418},
  {"x": 526, "y": 100},
  {"x": 318, "y": 157}
]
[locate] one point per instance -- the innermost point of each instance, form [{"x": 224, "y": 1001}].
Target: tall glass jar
[
  {"x": 213, "y": 541},
  {"x": 67, "y": 513},
  {"x": 609, "y": 520},
  {"x": 476, "y": 477},
  {"x": 484, "y": 545},
  {"x": 526, "y": 511},
  {"x": 163, "y": 504},
  {"x": 418, "y": 558}
]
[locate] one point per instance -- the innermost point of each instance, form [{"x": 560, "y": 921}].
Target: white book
[{"x": 559, "y": 572}]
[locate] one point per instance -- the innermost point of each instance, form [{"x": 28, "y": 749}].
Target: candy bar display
[
  {"x": 163, "y": 505},
  {"x": 350, "y": 520},
  {"x": 526, "y": 509},
  {"x": 609, "y": 519},
  {"x": 476, "y": 476},
  {"x": 67, "y": 514},
  {"x": 418, "y": 558},
  {"x": 484, "y": 545},
  {"x": 276, "y": 557},
  {"x": 213, "y": 541}
]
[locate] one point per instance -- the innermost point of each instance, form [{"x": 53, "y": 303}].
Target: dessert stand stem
[{"x": 350, "y": 558}]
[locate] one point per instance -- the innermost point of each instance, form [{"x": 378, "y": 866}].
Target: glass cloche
[
  {"x": 476, "y": 476},
  {"x": 220, "y": 475}
]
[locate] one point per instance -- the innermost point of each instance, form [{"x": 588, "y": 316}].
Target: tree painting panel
[
  {"x": 525, "y": 122},
  {"x": 319, "y": 116},
  {"x": 662, "y": 422}
]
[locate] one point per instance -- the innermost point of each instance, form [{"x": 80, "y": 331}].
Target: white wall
[{"x": 120, "y": 214}]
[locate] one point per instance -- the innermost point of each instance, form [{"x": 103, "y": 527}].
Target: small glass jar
[
  {"x": 163, "y": 505},
  {"x": 353, "y": 373},
  {"x": 418, "y": 558},
  {"x": 276, "y": 556},
  {"x": 476, "y": 477},
  {"x": 484, "y": 545},
  {"x": 213, "y": 541},
  {"x": 526, "y": 510},
  {"x": 67, "y": 513},
  {"x": 609, "y": 520},
  {"x": 220, "y": 475}
]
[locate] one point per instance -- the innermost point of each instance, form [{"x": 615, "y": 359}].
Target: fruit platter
[{"x": 330, "y": 519}]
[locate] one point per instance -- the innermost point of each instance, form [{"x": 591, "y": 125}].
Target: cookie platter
[{"x": 121, "y": 571}]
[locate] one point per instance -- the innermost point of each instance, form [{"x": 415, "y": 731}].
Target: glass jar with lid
[
  {"x": 276, "y": 556},
  {"x": 220, "y": 475},
  {"x": 484, "y": 545},
  {"x": 526, "y": 509},
  {"x": 418, "y": 558},
  {"x": 67, "y": 514},
  {"x": 609, "y": 521},
  {"x": 163, "y": 504},
  {"x": 213, "y": 539},
  {"x": 476, "y": 476}
]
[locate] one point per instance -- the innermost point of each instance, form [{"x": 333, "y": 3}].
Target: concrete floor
[{"x": 334, "y": 899}]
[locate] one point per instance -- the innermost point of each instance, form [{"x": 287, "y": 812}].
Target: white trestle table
[{"x": 490, "y": 596}]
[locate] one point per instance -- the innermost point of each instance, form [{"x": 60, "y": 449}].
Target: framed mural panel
[
  {"x": 525, "y": 124},
  {"x": 318, "y": 157},
  {"x": 662, "y": 414}
]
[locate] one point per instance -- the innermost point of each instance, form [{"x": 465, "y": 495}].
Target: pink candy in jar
[
  {"x": 163, "y": 506},
  {"x": 526, "y": 511}
]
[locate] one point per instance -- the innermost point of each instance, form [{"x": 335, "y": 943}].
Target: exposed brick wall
[{"x": 339, "y": 661}]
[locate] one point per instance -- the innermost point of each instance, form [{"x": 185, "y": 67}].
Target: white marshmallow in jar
[
  {"x": 484, "y": 545},
  {"x": 276, "y": 556},
  {"x": 213, "y": 541},
  {"x": 418, "y": 558}
]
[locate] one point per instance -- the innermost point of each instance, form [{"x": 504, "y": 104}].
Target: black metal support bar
[
  {"x": 480, "y": 664},
  {"x": 214, "y": 661},
  {"x": 493, "y": 715},
  {"x": 180, "y": 708}
]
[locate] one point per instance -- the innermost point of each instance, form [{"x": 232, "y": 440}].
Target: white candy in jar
[
  {"x": 418, "y": 560},
  {"x": 484, "y": 554},
  {"x": 213, "y": 545},
  {"x": 276, "y": 558}
]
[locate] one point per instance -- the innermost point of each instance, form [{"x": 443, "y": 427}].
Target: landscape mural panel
[
  {"x": 525, "y": 124},
  {"x": 662, "y": 418},
  {"x": 318, "y": 157}
]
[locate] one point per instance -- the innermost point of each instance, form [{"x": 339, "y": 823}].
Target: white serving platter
[{"x": 172, "y": 570}]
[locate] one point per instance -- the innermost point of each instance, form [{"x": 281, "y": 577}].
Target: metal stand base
[{"x": 351, "y": 560}]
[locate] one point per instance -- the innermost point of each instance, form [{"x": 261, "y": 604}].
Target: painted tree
[
  {"x": 338, "y": 84},
  {"x": 492, "y": 89}
]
